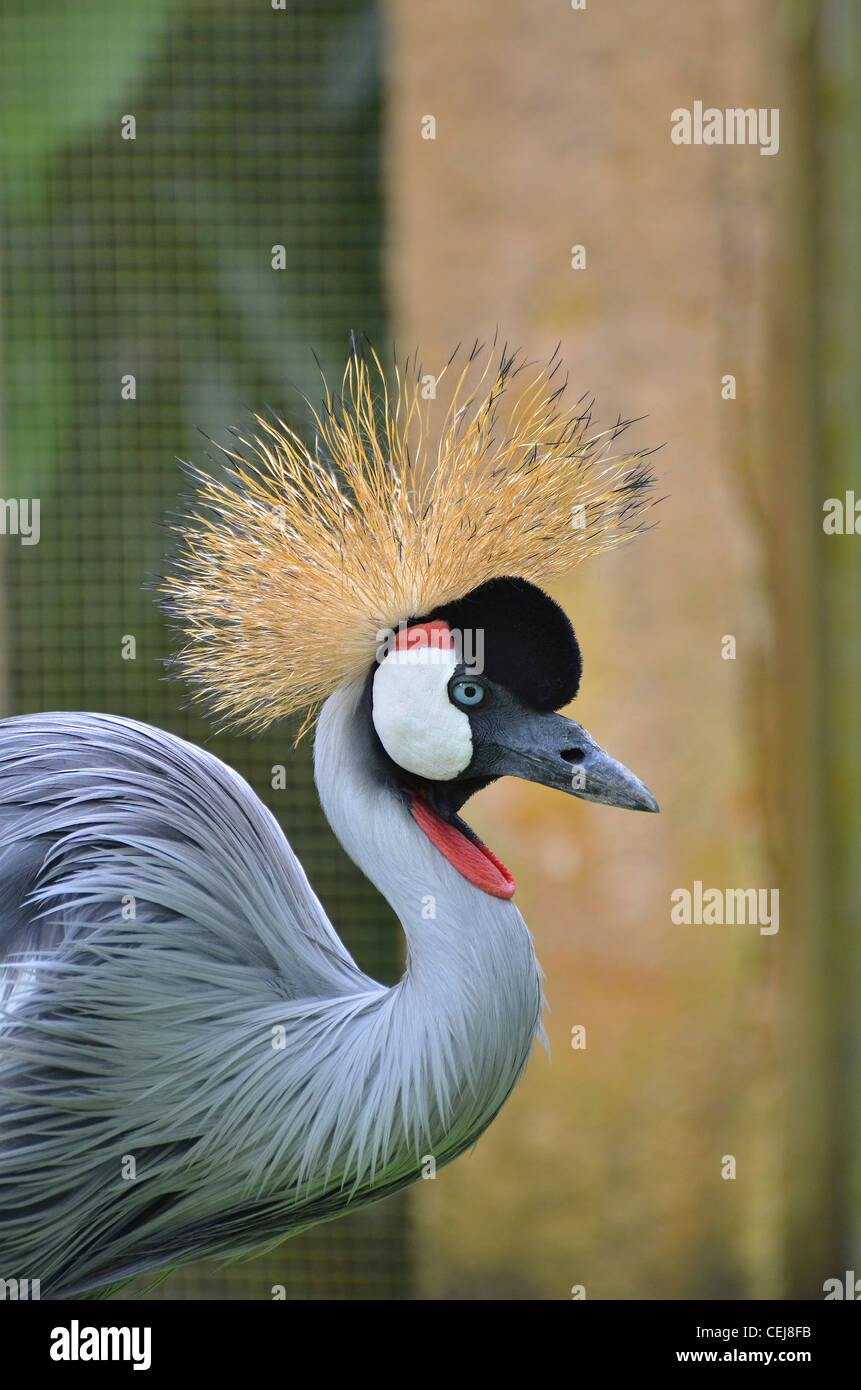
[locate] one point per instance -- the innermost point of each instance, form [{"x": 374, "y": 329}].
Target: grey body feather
[{"x": 222, "y": 1036}]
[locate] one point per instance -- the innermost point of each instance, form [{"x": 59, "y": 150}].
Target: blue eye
[{"x": 467, "y": 693}]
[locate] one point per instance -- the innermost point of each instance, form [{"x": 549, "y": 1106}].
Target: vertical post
[
  {"x": 792, "y": 676},
  {"x": 813, "y": 685},
  {"x": 838, "y": 340}
]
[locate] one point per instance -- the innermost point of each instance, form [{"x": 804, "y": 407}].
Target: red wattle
[{"x": 475, "y": 861}]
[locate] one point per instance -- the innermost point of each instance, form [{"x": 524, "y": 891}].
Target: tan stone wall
[{"x": 553, "y": 128}]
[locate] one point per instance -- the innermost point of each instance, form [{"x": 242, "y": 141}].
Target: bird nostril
[{"x": 573, "y": 755}]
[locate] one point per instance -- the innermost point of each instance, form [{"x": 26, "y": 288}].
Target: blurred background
[{"x": 425, "y": 173}]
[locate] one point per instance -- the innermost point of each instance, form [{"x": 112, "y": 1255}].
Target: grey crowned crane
[{"x": 191, "y": 1062}]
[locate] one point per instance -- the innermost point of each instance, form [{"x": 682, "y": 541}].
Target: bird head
[
  {"x": 471, "y": 693},
  {"x": 403, "y": 551}
]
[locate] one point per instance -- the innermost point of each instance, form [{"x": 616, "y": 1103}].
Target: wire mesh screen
[{"x": 191, "y": 206}]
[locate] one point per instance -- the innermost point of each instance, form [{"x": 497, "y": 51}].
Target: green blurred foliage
[
  {"x": 63, "y": 71},
  {"x": 152, "y": 257}
]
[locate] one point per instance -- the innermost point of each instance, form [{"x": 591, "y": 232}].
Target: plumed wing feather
[
  {"x": 156, "y": 934},
  {"x": 105, "y": 820}
]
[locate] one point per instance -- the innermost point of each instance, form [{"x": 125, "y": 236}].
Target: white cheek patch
[{"x": 419, "y": 727}]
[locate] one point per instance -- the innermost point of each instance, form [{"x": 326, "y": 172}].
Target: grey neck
[{"x": 470, "y": 999}]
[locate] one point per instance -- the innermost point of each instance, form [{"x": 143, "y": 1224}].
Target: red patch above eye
[
  {"x": 470, "y": 857},
  {"x": 436, "y": 634}
]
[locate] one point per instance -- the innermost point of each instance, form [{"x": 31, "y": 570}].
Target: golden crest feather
[{"x": 293, "y": 565}]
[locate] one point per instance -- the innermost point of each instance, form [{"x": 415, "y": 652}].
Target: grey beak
[
  {"x": 556, "y": 752},
  {"x": 604, "y": 779}
]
